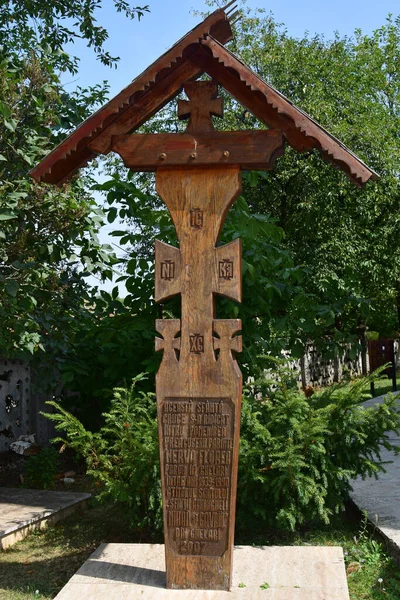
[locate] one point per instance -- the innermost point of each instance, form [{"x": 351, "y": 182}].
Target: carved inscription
[
  {"x": 167, "y": 270},
  {"x": 196, "y": 343},
  {"x": 196, "y": 218},
  {"x": 198, "y": 447},
  {"x": 225, "y": 269}
]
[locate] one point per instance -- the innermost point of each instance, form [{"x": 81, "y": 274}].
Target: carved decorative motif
[
  {"x": 196, "y": 343},
  {"x": 203, "y": 103},
  {"x": 200, "y": 51},
  {"x": 198, "y": 177},
  {"x": 196, "y": 218}
]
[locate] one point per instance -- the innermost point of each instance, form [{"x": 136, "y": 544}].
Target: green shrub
[
  {"x": 297, "y": 454},
  {"x": 123, "y": 455},
  {"x": 40, "y": 469}
]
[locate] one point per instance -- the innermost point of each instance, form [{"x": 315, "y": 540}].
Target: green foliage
[
  {"x": 317, "y": 252},
  {"x": 365, "y": 550},
  {"x": 123, "y": 456},
  {"x": 41, "y": 468},
  {"x": 298, "y": 455},
  {"x": 264, "y": 586},
  {"x": 372, "y": 335},
  {"x": 105, "y": 351},
  {"x": 48, "y": 236},
  {"x": 344, "y": 235},
  {"x": 55, "y": 24},
  {"x": 271, "y": 280}
]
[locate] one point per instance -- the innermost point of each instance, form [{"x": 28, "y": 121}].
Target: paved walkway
[
  {"x": 381, "y": 498},
  {"x": 23, "y": 510}
]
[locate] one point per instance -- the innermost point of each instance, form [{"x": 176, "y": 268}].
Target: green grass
[
  {"x": 46, "y": 560},
  {"x": 382, "y": 387}
]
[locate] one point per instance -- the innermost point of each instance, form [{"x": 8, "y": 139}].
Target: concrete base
[
  {"x": 23, "y": 511},
  {"x": 131, "y": 571}
]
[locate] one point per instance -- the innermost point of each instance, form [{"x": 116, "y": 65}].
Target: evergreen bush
[
  {"x": 297, "y": 454},
  {"x": 123, "y": 456},
  {"x": 41, "y": 469}
]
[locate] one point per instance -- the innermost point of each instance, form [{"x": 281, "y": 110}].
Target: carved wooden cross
[
  {"x": 204, "y": 103},
  {"x": 199, "y": 383},
  {"x": 200, "y": 145}
]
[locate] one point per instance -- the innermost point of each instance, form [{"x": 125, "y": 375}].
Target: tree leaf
[{"x": 12, "y": 287}]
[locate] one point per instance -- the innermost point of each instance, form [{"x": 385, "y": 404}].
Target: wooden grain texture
[
  {"x": 249, "y": 149},
  {"x": 201, "y": 50},
  {"x": 203, "y": 102},
  {"x": 146, "y": 106},
  {"x": 199, "y": 382}
]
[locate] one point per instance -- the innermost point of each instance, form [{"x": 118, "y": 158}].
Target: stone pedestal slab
[{"x": 131, "y": 571}]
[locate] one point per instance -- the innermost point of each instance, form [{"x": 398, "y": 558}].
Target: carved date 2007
[{"x": 189, "y": 547}]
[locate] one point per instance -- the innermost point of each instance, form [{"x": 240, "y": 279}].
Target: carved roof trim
[
  {"x": 301, "y": 131},
  {"x": 201, "y": 50},
  {"x": 74, "y": 152}
]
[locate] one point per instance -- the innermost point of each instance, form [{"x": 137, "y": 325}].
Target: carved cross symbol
[{"x": 203, "y": 103}]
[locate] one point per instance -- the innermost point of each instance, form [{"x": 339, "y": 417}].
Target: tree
[
  {"x": 48, "y": 236},
  {"x": 27, "y": 24},
  {"x": 318, "y": 253},
  {"x": 344, "y": 236},
  {"x": 324, "y": 262}
]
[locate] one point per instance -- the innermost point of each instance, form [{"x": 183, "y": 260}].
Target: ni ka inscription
[
  {"x": 167, "y": 269},
  {"x": 198, "y": 448},
  {"x": 225, "y": 269}
]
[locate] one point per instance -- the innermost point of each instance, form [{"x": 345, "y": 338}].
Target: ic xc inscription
[
  {"x": 196, "y": 218},
  {"x": 196, "y": 343},
  {"x": 198, "y": 447}
]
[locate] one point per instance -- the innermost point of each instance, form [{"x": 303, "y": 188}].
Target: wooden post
[{"x": 199, "y": 382}]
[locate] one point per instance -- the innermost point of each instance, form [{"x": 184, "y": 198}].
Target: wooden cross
[
  {"x": 199, "y": 382},
  {"x": 203, "y": 103}
]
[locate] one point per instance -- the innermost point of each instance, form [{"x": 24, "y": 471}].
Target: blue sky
[{"x": 138, "y": 44}]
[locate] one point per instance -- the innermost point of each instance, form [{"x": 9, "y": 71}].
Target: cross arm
[{"x": 248, "y": 149}]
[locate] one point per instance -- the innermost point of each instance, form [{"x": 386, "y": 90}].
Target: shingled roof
[{"x": 200, "y": 51}]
